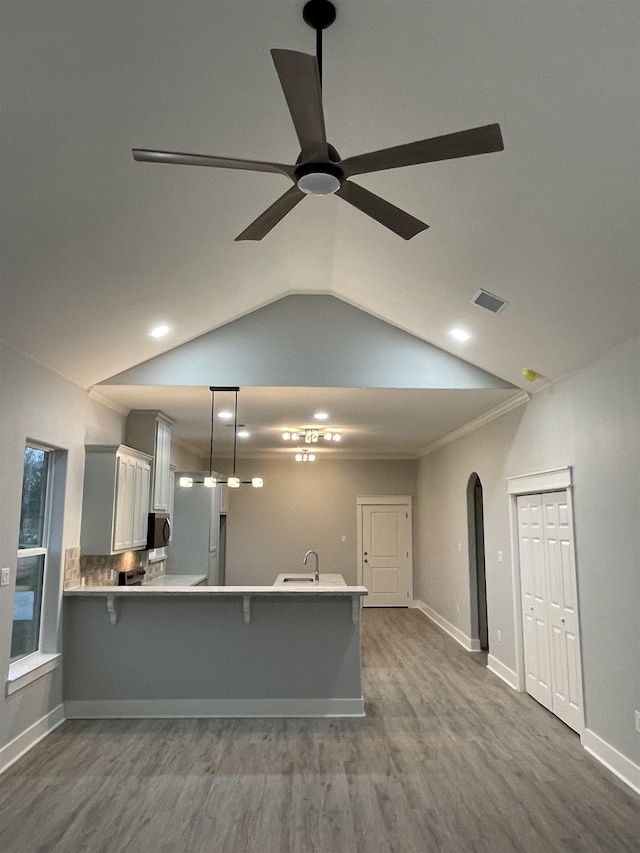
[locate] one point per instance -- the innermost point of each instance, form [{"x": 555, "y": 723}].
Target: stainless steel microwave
[{"x": 158, "y": 530}]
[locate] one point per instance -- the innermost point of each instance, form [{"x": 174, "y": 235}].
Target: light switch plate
[
  {"x": 638, "y": 721},
  {"x": 6, "y": 577}
]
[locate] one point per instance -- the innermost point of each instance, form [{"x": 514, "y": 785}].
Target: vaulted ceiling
[{"x": 96, "y": 248}]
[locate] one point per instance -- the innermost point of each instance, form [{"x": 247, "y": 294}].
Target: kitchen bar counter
[
  {"x": 209, "y": 651},
  {"x": 176, "y": 580}
]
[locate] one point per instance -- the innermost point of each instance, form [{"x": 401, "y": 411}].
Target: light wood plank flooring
[{"x": 448, "y": 760}]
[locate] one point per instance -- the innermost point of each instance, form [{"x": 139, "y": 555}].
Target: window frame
[{"x": 26, "y": 668}]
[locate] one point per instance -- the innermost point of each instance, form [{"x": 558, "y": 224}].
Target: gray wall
[
  {"x": 590, "y": 421},
  {"x": 198, "y": 647},
  {"x": 39, "y": 405},
  {"x": 302, "y": 506}
]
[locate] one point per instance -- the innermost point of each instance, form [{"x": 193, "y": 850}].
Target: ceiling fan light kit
[{"x": 319, "y": 170}]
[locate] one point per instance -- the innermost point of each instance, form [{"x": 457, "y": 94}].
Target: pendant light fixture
[{"x": 233, "y": 481}]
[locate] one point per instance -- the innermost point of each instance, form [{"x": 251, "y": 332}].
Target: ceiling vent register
[{"x": 490, "y": 301}]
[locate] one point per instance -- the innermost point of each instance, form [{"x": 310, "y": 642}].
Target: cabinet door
[
  {"x": 140, "y": 504},
  {"x": 161, "y": 471},
  {"x": 124, "y": 503}
]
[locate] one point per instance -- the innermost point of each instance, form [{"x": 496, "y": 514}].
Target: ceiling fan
[{"x": 319, "y": 170}]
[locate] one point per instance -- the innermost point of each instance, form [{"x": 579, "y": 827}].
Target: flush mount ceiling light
[
  {"x": 311, "y": 435},
  {"x": 460, "y": 334},
  {"x": 243, "y": 433},
  {"x": 159, "y": 331},
  {"x": 321, "y": 416},
  {"x": 319, "y": 169},
  {"x": 233, "y": 482},
  {"x": 225, "y": 415}
]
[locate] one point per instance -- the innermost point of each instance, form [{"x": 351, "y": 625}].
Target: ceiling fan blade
[
  {"x": 272, "y": 215},
  {"x": 387, "y": 214},
  {"x": 465, "y": 143},
  {"x": 300, "y": 81},
  {"x": 145, "y": 156}
]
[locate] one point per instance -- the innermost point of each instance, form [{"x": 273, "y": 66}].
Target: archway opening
[{"x": 477, "y": 570}]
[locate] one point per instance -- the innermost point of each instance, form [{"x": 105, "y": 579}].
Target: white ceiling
[
  {"x": 373, "y": 422},
  {"x": 96, "y": 248}
]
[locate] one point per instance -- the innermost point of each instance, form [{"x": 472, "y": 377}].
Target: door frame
[
  {"x": 553, "y": 480},
  {"x": 400, "y": 500}
]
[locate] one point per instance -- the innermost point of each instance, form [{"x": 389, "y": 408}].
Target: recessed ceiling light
[
  {"x": 225, "y": 416},
  {"x": 159, "y": 331},
  {"x": 243, "y": 433},
  {"x": 321, "y": 416},
  {"x": 460, "y": 334}
]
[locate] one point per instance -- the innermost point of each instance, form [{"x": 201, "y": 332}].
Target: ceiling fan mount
[
  {"x": 319, "y": 169},
  {"x": 319, "y": 14}
]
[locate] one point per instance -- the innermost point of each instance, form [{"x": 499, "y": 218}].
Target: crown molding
[
  {"x": 101, "y": 398},
  {"x": 491, "y": 415}
]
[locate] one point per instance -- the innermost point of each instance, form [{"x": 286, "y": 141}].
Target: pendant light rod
[{"x": 235, "y": 430}]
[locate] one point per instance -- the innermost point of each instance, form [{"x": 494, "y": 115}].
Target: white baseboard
[
  {"x": 466, "y": 642},
  {"x": 615, "y": 761},
  {"x": 502, "y": 671},
  {"x": 172, "y": 708},
  {"x": 16, "y": 748}
]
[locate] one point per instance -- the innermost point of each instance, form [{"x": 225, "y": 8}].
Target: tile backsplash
[{"x": 102, "y": 570}]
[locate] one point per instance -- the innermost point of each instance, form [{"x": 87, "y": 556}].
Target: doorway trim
[
  {"x": 400, "y": 500},
  {"x": 479, "y": 629},
  {"x": 553, "y": 480}
]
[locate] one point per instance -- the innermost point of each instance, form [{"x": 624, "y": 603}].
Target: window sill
[{"x": 27, "y": 670}]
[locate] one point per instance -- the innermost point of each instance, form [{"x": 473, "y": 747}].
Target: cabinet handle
[{"x": 366, "y": 561}]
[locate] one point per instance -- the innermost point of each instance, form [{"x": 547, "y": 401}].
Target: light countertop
[
  {"x": 176, "y": 580},
  {"x": 305, "y": 580}
]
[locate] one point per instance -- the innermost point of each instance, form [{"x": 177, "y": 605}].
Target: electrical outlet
[
  {"x": 499, "y": 636},
  {"x": 6, "y": 577},
  {"x": 638, "y": 721},
  {"x": 499, "y": 556}
]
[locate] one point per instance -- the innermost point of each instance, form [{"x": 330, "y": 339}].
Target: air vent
[{"x": 487, "y": 300}]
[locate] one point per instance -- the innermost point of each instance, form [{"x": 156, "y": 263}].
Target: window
[{"x": 32, "y": 552}]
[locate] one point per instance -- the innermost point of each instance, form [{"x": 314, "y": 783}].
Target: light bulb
[
  {"x": 286, "y": 436},
  {"x": 233, "y": 482},
  {"x": 337, "y": 436},
  {"x": 460, "y": 334},
  {"x": 295, "y": 436},
  {"x": 185, "y": 482},
  {"x": 328, "y": 436},
  {"x": 257, "y": 482},
  {"x": 312, "y": 457},
  {"x": 159, "y": 331},
  {"x": 210, "y": 482},
  {"x": 298, "y": 457}
]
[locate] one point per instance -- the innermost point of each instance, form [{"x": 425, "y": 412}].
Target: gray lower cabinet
[
  {"x": 195, "y": 529},
  {"x": 117, "y": 482}
]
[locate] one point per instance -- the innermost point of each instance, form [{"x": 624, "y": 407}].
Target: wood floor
[{"x": 448, "y": 760}]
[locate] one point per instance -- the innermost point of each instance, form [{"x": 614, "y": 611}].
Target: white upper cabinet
[
  {"x": 150, "y": 432},
  {"x": 115, "y": 501}
]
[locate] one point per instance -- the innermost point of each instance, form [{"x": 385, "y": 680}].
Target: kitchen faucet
[{"x": 317, "y": 573}]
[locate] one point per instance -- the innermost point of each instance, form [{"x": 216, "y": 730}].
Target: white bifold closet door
[{"x": 549, "y": 605}]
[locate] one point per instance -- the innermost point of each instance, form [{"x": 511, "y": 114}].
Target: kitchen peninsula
[{"x": 214, "y": 651}]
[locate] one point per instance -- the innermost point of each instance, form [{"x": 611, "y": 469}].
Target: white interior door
[
  {"x": 566, "y": 674},
  {"x": 534, "y": 600},
  {"x": 549, "y": 605},
  {"x": 385, "y": 557}
]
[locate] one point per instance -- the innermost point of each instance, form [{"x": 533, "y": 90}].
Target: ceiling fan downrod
[{"x": 319, "y": 14}]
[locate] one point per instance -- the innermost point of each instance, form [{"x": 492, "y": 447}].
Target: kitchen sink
[{"x": 298, "y": 580}]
